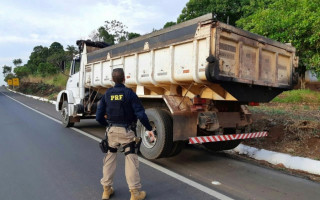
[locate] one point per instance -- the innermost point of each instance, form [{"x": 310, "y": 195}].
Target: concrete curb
[
  {"x": 34, "y": 97},
  {"x": 291, "y": 162}
]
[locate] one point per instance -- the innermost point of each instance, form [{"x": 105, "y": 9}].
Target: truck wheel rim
[{"x": 144, "y": 137}]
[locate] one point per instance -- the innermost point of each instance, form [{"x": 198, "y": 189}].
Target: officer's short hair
[{"x": 118, "y": 75}]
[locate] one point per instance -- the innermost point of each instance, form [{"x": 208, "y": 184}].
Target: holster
[
  {"x": 104, "y": 146},
  {"x": 134, "y": 146},
  {"x": 133, "y": 127}
]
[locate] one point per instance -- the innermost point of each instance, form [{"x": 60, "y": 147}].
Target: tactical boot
[
  {"x": 137, "y": 194},
  {"x": 107, "y": 192}
]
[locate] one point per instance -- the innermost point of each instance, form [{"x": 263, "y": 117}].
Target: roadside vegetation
[
  {"x": 58, "y": 79},
  {"x": 298, "y": 96},
  {"x": 293, "y": 122},
  {"x": 47, "y": 88},
  {"x": 44, "y": 67}
]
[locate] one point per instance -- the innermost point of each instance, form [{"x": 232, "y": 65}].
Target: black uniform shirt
[{"x": 132, "y": 106}]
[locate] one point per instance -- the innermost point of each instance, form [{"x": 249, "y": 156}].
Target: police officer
[{"x": 122, "y": 107}]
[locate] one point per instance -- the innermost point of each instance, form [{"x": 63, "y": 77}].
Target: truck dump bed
[{"x": 205, "y": 57}]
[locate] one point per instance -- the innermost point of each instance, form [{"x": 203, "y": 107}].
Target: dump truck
[{"x": 195, "y": 80}]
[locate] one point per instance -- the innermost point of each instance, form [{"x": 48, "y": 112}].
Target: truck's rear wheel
[
  {"x": 176, "y": 148},
  {"x": 65, "y": 118},
  {"x": 162, "y": 121}
]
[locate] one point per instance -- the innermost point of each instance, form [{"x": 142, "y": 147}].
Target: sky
[{"x": 26, "y": 24}]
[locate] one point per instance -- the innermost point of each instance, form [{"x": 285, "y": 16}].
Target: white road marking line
[
  {"x": 183, "y": 179},
  {"x": 33, "y": 109},
  {"x": 186, "y": 180}
]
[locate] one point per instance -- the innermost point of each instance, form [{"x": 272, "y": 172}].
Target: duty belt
[
  {"x": 119, "y": 125},
  {"x": 131, "y": 126}
]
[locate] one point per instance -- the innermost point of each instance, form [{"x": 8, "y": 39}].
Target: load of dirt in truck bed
[{"x": 294, "y": 128}]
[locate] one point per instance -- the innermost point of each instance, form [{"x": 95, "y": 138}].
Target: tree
[
  {"x": 8, "y": 76},
  {"x": 102, "y": 35},
  {"x": 117, "y": 29},
  {"x": 290, "y": 21},
  {"x": 168, "y": 24},
  {"x": 6, "y": 70},
  {"x": 112, "y": 32},
  {"x": 54, "y": 56},
  {"x": 225, "y": 10},
  {"x": 57, "y": 57},
  {"x": 55, "y": 47},
  {"x": 45, "y": 61},
  {"x": 17, "y": 62},
  {"x": 71, "y": 51},
  {"x": 57, "y": 60},
  {"x": 21, "y": 71},
  {"x": 39, "y": 55},
  {"x": 252, "y": 6},
  {"x": 45, "y": 69},
  {"x": 133, "y": 35}
]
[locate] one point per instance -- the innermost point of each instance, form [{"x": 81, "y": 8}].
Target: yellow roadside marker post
[
  {"x": 10, "y": 82},
  {"x": 15, "y": 82}
]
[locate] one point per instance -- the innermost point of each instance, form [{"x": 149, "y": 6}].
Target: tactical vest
[{"x": 118, "y": 111}]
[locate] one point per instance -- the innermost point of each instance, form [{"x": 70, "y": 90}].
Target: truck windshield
[{"x": 75, "y": 66}]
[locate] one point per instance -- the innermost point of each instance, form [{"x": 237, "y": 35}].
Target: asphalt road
[{"x": 39, "y": 159}]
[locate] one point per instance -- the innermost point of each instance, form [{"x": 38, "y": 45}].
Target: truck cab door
[{"x": 73, "y": 81}]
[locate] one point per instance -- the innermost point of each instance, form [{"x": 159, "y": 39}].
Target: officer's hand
[{"x": 152, "y": 138}]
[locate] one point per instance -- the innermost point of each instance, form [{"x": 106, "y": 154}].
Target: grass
[
  {"x": 306, "y": 118},
  {"x": 268, "y": 110},
  {"x": 47, "y": 87},
  {"x": 306, "y": 107},
  {"x": 295, "y": 112},
  {"x": 52, "y": 97},
  {"x": 298, "y": 96},
  {"x": 58, "y": 80}
]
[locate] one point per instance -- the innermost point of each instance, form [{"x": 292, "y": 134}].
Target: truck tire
[
  {"x": 65, "y": 119},
  {"x": 162, "y": 121},
  {"x": 176, "y": 148}
]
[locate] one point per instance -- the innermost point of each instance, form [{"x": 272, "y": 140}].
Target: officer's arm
[
  {"x": 139, "y": 111},
  {"x": 101, "y": 111}
]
